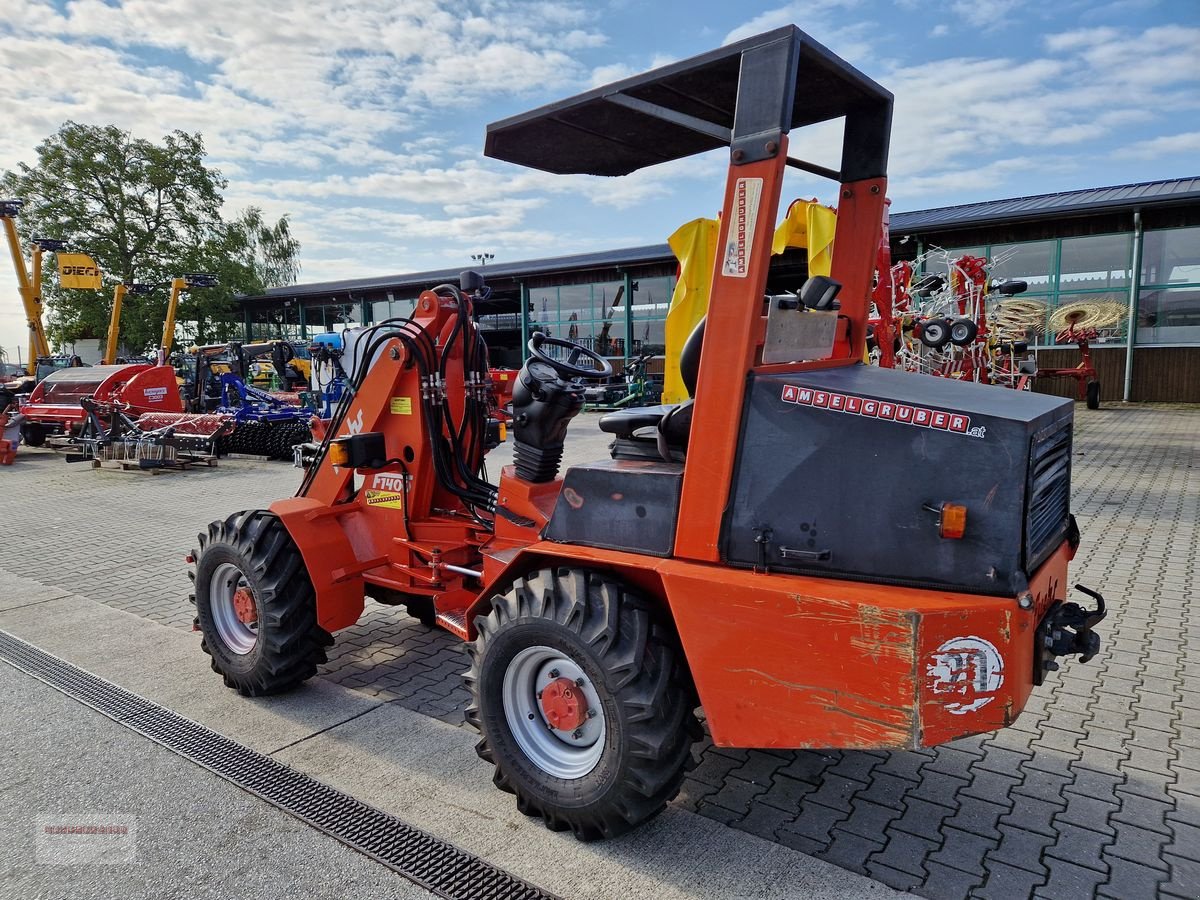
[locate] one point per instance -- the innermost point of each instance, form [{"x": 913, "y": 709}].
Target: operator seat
[{"x": 659, "y": 432}]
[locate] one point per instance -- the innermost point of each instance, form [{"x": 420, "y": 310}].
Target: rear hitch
[{"x": 1066, "y": 630}]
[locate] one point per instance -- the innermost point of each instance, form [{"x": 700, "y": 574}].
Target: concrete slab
[
  {"x": 167, "y": 666},
  {"x": 427, "y": 772},
  {"x": 189, "y": 833},
  {"x": 962, "y": 818},
  {"x": 16, "y": 591}
]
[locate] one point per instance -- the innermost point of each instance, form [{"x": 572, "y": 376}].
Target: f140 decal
[{"x": 918, "y": 416}]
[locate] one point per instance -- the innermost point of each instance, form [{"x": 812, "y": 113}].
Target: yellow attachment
[
  {"x": 31, "y": 295},
  {"x": 810, "y": 225},
  {"x": 178, "y": 286},
  {"x": 807, "y": 224},
  {"x": 114, "y": 325},
  {"x": 695, "y": 246}
]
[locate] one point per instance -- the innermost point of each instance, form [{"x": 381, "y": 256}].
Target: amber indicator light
[{"x": 952, "y": 522}]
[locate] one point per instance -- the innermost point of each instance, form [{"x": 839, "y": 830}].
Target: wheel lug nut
[
  {"x": 579, "y": 681},
  {"x": 591, "y": 714},
  {"x": 554, "y": 673},
  {"x": 577, "y": 734},
  {"x": 531, "y": 716}
]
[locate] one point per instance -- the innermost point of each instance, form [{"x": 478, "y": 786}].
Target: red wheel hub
[
  {"x": 564, "y": 704},
  {"x": 243, "y": 606}
]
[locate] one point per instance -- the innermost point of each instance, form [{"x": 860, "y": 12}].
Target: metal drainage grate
[{"x": 420, "y": 857}]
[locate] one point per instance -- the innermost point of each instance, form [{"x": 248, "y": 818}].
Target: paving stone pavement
[{"x": 1095, "y": 790}]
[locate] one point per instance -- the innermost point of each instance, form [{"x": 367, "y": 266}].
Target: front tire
[
  {"x": 610, "y": 748},
  {"x": 1093, "y": 395},
  {"x": 255, "y": 605}
]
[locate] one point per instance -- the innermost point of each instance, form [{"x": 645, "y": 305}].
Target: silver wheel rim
[
  {"x": 234, "y": 633},
  {"x": 562, "y": 754}
]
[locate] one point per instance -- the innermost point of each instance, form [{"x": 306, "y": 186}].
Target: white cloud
[
  {"x": 808, "y": 14},
  {"x": 1091, "y": 86},
  {"x": 348, "y": 115},
  {"x": 977, "y": 122},
  {"x": 989, "y": 14},
  {"x": 1166, "y": 145},
  {"x": 320, "y": 74},
  {"x": 824, "y": 21},
  {"x": 972, "y": 180},
  {"x": 607, "y": 74},
  {"x": 1083, "y": 37}
]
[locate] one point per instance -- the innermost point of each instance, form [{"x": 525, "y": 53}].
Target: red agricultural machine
[
  {"x": 797, "y": 548},
  {"x": 10, "y": 425},
  {"x": 54, "y": 406},
  {"x": 124, "y": 407}
]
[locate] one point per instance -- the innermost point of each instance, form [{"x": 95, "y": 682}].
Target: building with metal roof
[
  {"x": 1135, "y": 244},
  {"x": 1043, "y": 207}
]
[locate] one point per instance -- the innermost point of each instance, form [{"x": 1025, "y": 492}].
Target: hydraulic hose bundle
[{"x": 457, "y": 447}]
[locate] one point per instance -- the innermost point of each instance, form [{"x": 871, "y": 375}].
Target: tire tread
[
  {"x": 645, "y": 671},
  {"x": 294, "y": 643}
]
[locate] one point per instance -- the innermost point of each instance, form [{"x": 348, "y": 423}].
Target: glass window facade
[
  {"x": 623, "y": 317},
  {"x": 651, "y": 301},
  {"x": 1100, "y": 268},
  {"x": 602, "y": 316},
  {"x": 1169, "y": 296},
  {"x": 593, "y": 315},
  {"x": 1095, "y": 263},
  {"x": 282, "y": 322},
  {"x": 332, "y": 316},
  {"x": 1033, "y": 262},
  {"x": 391, "y": 308},
  {"x": 1171, "y": 257}
]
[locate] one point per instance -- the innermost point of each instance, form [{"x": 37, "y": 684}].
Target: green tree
[{"x": 145, "y": 212}]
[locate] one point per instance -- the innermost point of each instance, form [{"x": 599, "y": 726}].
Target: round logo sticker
[{"x": 965, "y": 672}]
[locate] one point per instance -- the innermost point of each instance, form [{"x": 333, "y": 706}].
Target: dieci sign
[{"x": 78, "y": 270}]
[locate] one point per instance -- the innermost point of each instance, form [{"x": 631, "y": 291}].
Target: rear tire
[
  {"x": 33, "y": 434},
  {"x": 252, "y": 552},
  {"x": 1093, "y": 395},
  {"x": 627, "y": 760}
]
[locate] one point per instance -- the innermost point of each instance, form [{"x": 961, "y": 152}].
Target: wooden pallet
[{"x": 179, "y": 464}]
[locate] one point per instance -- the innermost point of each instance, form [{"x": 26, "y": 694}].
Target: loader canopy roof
[{"x": 739, "y": 96}]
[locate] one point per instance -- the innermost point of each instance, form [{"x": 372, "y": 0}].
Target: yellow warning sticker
[
  {"x": 504, "y": 376},
  {"x": 402, "y": 406},
  {"x": 388, "y": 499}
]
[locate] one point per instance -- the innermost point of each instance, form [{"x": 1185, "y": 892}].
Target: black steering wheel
[{"x": 602, "y": 368}]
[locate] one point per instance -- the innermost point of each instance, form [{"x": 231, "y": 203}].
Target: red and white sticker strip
[{"x": 918, "y": 416}]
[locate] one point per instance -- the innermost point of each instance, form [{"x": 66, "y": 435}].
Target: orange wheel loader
[{"x": 817, "y": 552}]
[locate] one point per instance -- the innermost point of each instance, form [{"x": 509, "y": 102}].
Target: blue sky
[{"x": 364, "y": 119}]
